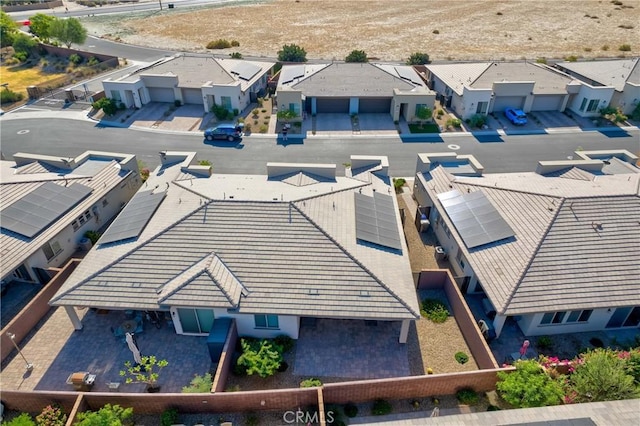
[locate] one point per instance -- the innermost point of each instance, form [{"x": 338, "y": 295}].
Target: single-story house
[
  {"x": 556, "y": 249},
  {"x": 48, "y": 203},
  {"x": 353, "y": 88},
  {"x": 486, "y": 87},
  {"x": 270, "y": 251},
  {"x": 192, "y": 79},
  {"x": 623, "y": 75}
]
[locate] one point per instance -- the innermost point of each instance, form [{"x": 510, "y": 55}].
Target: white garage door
[
  {"x": 503, "y": 102},
  {"x": 161, "y": 94},
  {"x": 192, "y": 96},
  {"x": 547, "y": 103}
]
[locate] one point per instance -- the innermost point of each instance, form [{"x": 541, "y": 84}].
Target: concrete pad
[{"x": 333, "y": 123}]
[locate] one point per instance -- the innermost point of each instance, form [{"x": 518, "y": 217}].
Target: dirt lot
[{"x": 392, "y": 30}]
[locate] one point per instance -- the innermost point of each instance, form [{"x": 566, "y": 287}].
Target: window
[
  {"x": 460, "y": 258},
  {"x": 593, "y": 105},
  {"x": 583, "y": 104},
  {"x": 266, "y": 321},
  {"x": 75, "y": 225},
  {"x": 552, "y": 318},
  {"x": 226, "y": 102},
  {"x": 482, "y": 107},
  {"x": 579, "y": 316},
  {"x": 51, "y": 249},
  {"x": 115, "y": 95}
]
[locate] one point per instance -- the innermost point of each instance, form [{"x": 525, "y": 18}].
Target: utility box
[
  {"x": 440, "y": 253},
  {"x": 217, "y": 337},
  {"x": 82, "y": 380}
]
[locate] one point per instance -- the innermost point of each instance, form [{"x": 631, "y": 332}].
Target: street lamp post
[{"x": 13, "y": 340}]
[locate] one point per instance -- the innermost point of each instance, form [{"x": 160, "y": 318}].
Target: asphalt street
[{"x": 65, "y": 137}]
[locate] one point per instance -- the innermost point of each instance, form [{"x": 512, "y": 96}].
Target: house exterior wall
[
  {"x": 602, "y": 94},
  {"x": 245, "y": 324},
  {"x": 511, "y": 89},
  {"x": 130, "y": 92},
  {"x": 629, "y": 98},
  {"x": 470, "y": 99},
  {"x": 214, "y": 93},
  {"x": 411, "y": 100},
  {"x": 287, "y": 97},
  {"x": 530, "y": 324}
]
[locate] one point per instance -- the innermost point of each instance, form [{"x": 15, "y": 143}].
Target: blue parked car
[{"x": 516, "y": 116}]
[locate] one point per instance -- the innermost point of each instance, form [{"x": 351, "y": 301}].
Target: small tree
[
  {"x": 602, "y": 375},
  {"x": 529, "y": 386},
  {"x": 41, "y": 26},
  {"x": 8, "y": 29},
  {"x": 112, "y": 415},
  {"x": 24, "y": 44},
  {"x": 68, "y": 31},
  {"x": 424, "y": 113},
  {"x": 418, "y": 58},
  {"x": 147, "y": 371},
  {"x": 199, "y": 384},
  {"x": 262, "y": 357},
  {"x": 356, "y": 56},
  {"x": 292, "y": 53}
]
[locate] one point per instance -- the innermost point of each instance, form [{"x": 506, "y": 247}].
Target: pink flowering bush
[{"x": 51, "y": 415}]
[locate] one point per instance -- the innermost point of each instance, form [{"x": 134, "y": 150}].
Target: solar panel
[
  {"x": 475, "y": 218},
  {"x": 34, "y": 212},
  {"x": 291, "y": 72},
  {"x": 376, "y": 220},
  {"x": 134, "y": 217},
  {"x": 246, "y": 70},
  {"x": 408, "y": 74}
]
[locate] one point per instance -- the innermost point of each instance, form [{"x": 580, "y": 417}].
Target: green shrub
[
  {"x": 285, "y": 342},
  {"x": 235, "y": 43},
  {"x": 199, "y": 384},
  {"x": 434, "y": 310},
  {"x": 219, "y": 44},
  {"x": 636, "y": 112},
  {"x": 107, "y": 105},
  {"x": 8, "y": 96},
  {"x": 107, "y": 415},
  {"x": 220, "y": 112},
  {"x": 461, "y": 357},
  {"x": 235, "y": 55},
  {"x": 263, "y": 129},
  {"x": 92, "y": 61},
  {"x": 541, "y": 60},
  {"x": 625, "y": 48},
  {"x": 435, "y": 32},
  {"x": 93, "y": 236},
  {"x": 529, "y": 386},
  {"x": 605, "y": 47},
  {"x": 177, "y": 103},
  {"x": 251, "y": 420},
  {"x": 169, "y": 416},
  {"x": 260, "y": 357},
  {"x": 23, "y": 419},
  {"x": 21, "y": 56},
  {"x": 418, "y": 58},
  {"x": 235, "y": 112},
  {"x": 571, "y": 58},
  {"x": 381, "y": 407},
  {"x": 467, "y": 396},
  {"x": 51, "y": 415},
  {"x": 398, "y": 183},
  {"x": 633, "y": 365},
  {"x": 350, "y": 410},
  {"x": 492, "y": 407},
  {"x": 310, "y": 383},
  {"x": 75, "y": 59},
  {"x": 454, "y": 122},
  {"x": 544, "y": 342},
  {"x": 477, "y": 120}
]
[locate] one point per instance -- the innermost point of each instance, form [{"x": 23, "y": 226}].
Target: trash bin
[
  {"x": 170, "y": 5},
  {"x": 440, "y": 253}
]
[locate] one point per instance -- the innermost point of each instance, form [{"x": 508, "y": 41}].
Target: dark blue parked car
[{"x": 230, "y": 132}]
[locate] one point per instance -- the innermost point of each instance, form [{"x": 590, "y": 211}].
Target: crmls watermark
[{"x": 306, "y": 417}]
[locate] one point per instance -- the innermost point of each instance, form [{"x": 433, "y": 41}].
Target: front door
[{"x": 624, "y": 317}]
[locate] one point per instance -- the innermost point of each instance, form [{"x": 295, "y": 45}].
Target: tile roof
[
  {"x": 16, "y": 248},
  {"x": 293, "y": 256},
  {"x": 350, "y": 80},
  {"x": 608, "y": 73},
  {"x": 556, "y": 250}
]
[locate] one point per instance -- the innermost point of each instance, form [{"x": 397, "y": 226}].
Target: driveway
[{"x": 165, "y": 116}]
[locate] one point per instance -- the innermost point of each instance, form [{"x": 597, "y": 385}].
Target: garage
[
  {"x": 192, "y": 96},
  {"x": 547, "y": 103},
  {"x": 503, "y": 102},
  {"x": 332, "y": 105},
  {"x": 161, "y": 94},
  {"x": 374, "y": 105}
]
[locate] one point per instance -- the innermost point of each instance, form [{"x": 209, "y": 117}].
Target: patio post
[
  {"x": 404, "y": 331},
  {"x": 498, "y": 323},
  {"x": 73, "y": 316}
]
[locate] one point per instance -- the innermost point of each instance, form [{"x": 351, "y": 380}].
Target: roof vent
[
  {"x": 364, "y": 293},
  {"x": 597, "y": 226},
  {"x": 313, "y": 292}
]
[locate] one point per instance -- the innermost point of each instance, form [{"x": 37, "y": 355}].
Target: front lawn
[{"x": 424, "y": 128}]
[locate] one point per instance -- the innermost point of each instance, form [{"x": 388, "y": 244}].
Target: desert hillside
[{"x": 393, "y": 29}]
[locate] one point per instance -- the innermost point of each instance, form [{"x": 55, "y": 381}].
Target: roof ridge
[
  {"x": 310, "y": 75},
  {"x": 220, "y": 286},
  {"x": 397, "y": 76},
  {"x": 356, "y": 261},
  {"x": 532, "y": 258},
  {"x": 489, "y": 64}
]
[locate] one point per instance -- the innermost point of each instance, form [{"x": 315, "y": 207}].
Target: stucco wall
[
  {"x": 471, "y": 98},
  {"x": 629, "y": 98},
  {"x": 603, "y": 94},
  {"x": 530, "y": 324}
]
